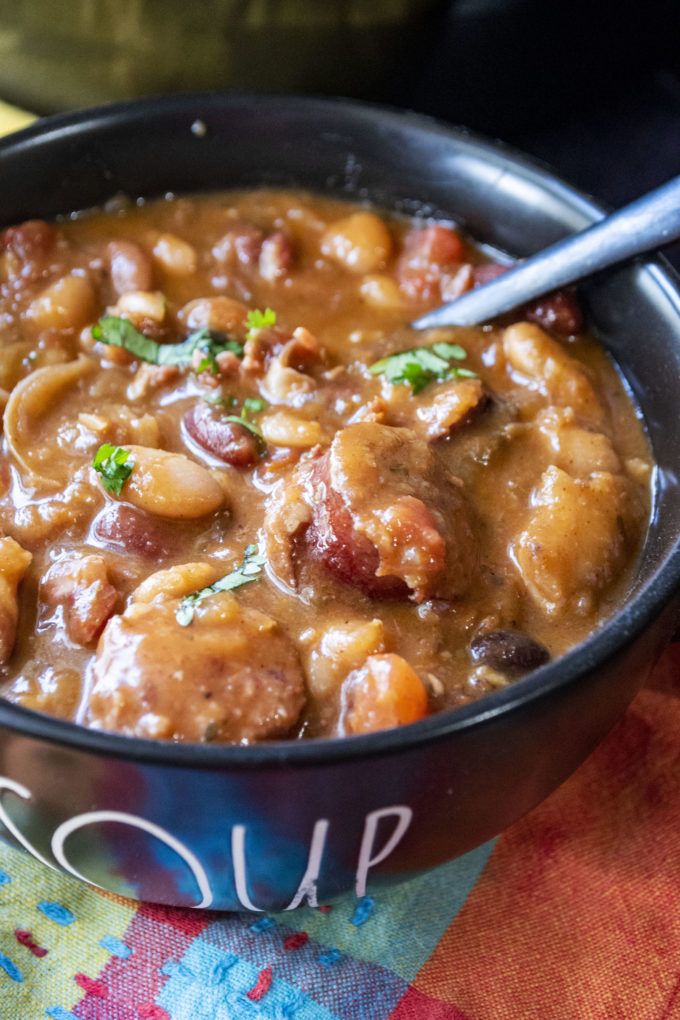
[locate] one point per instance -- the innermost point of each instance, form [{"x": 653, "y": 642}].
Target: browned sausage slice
[
  {"x": 232, "y": 675},
  {"x": 382, "y": 514}
]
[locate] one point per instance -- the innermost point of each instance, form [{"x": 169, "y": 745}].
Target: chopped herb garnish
[
  {"x": 112, "y": 464},
  {"x": 422, "y": 365},
  {"x": 257, "y": 319},
  {"x": 249, "y": 570},
  {"x": 253, "y": 405},
  {"x": 252, "y": 428},
  {"x": 118, "y": 332}
]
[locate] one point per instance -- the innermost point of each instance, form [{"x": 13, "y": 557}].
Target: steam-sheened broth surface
[{"x": 398, "y": 535}]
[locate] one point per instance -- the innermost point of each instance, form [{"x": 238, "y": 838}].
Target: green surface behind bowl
[{"x": 69, "y": 53}]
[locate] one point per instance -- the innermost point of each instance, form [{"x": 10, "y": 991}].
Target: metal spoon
[{"x": 648, "y": 223}]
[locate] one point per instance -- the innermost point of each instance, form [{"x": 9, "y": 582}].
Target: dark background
[{"x": 591, "y": 88}]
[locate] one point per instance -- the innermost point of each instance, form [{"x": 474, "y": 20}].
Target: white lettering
[
  {"x": 21, "y": 791},
  {"x": 366, "y": 862},
  {"x": 238, "y": 856},
  {"x": 92, "y": 817},
  {"x": 307, "y": 887}
]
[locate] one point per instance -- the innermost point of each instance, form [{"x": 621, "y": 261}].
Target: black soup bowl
[{"x": 272, "y": 826}]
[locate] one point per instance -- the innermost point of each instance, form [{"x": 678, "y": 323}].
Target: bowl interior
[{"x": 400, "y": 162}]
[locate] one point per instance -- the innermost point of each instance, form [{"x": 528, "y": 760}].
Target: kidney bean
[
  {"x": 228, "y": 441},
  {"x": 276, "y": 256},
  {"x": 508, "y": 651},
  {"x": 241, "y": 245},
  {"x": 559, "y": 312},
  {"x": 30, "y": 241},
  {"x": 122, "y": 526}
]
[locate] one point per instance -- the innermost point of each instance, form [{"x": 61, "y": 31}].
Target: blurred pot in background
[{"x": 56, "y": 54}]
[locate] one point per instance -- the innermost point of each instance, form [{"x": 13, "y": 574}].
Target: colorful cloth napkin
[{"x": 572, "y": 914}]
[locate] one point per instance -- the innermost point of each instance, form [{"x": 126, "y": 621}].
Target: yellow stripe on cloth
[{"x": 11, "y": 118}]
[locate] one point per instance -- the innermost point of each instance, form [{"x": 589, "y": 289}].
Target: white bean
[
  {"x": 361, "y": 242},
  {"x": 69, "y": 303},
  {"x": 171, "y": 485},
  {"x": 284, "y": 429},
  {"x": 175, "y": 256}
]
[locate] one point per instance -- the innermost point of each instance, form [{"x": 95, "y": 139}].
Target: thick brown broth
[{"x": 423, "y": 548}]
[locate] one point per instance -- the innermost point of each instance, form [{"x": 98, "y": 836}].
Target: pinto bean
[
  {"x": 176, "y": 581},
  {"x": 575, "y": 539},
  {"x": 509, "y": 651},
  {"x": 541, "y": 362},
  {"x": 231, "y": 443},
  {"x": 130, "y": 267},
  {"x": 121, "y": 526}
]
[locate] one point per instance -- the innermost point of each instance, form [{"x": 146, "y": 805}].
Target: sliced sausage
[
  {"x": 380, "y": 513},
  {"x": 429, "y": 254},
  {"x": 81, "y": 587},
  {"x": 232, "y": 675}
]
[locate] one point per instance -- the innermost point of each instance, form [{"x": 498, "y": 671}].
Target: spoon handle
[{"x": 648, "y": 223}]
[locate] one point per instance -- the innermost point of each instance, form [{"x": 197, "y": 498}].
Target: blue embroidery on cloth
[
  {"x": 263, "y": 924},
  {"x": 10, "y": 968},
  {"x": 115, "y": 947},
  {"x": 56, "y": 912},
  {"x": 331, "y": 957}
]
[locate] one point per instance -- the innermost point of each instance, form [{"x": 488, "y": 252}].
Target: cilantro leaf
[
  {"x": 111, "y": 463},
  {"x": 250, "y": 569},
  {"x": 252, "y": 428},
  {"x": 422, "y": 365},
  {"x": 253, "y": 405},
  {"x": 257, "y": 319},
  {"x": 118, "y": 332}
]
